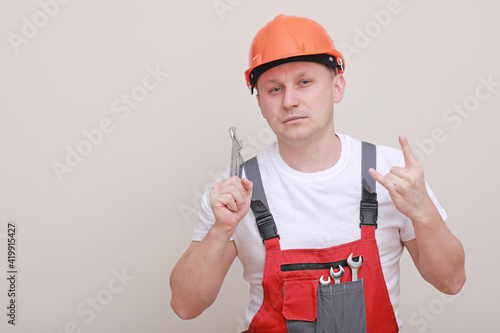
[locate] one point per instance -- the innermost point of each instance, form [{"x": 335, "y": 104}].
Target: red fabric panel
[{"x": 300, "y": 300}]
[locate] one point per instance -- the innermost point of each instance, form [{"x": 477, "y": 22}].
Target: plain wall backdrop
[{"x": 114, "y": 119}]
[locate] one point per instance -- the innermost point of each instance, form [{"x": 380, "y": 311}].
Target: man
[{"x": 312, "y": 185}]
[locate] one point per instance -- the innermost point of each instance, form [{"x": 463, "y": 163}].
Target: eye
[
  {"x": 275, "y": 90},
  {"x": 305, "y": 82}
]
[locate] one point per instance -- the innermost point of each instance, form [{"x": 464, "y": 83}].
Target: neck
[{"x": 310, "y": 158}]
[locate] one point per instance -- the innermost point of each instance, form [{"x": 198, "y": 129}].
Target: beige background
[{"x": 127, "y": 206}]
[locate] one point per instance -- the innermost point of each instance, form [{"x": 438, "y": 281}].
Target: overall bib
[{"x": 295, "y": 300}]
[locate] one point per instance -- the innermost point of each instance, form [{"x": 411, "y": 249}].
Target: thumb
[{"x": 248, "y": 186}]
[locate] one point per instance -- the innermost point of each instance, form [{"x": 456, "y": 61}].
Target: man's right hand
[
  {"x": 230, "y": 201},
  {"x": 212, "y": 256}
]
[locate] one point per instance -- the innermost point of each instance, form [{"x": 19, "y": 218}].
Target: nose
[{"x": 290, "y": 99}]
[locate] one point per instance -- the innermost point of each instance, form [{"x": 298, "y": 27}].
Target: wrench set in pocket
[{"x": 336, "y": 276}]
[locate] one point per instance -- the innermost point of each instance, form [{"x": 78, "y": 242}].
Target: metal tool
[
  {"x": 236, "y": 159},
  {"x": 323, "y": 282},
  {"x": 336, "y": 276},
  {"x": 354, "y": 266}
]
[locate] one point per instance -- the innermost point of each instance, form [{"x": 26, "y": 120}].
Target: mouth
[{"x": 293, "y": 119}]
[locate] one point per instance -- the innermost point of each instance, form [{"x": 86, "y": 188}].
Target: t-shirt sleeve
[{"x": 205, "y": 219}]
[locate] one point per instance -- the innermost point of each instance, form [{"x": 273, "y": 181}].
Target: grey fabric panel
[
  {"x": 252, "y": 173},
  {"x": 297, "y": 326},
  {"x": 341, "y": 308},
  {"x": 369, "y": 160}
]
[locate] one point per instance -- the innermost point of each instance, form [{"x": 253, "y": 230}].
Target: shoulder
[
  {"x": 266, "y": 157},
  {"x": 387, "y": 156}
]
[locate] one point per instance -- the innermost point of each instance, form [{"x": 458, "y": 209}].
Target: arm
[
  {"x": 438, "y": 255},
  {"x": 198, "y": 275},
  {"x": 436, "y": 252}
]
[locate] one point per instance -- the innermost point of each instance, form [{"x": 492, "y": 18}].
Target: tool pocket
[
  {"x": 341, "y": 308},
  {"x": 312, "y": 308},
  {"x": 300, "y": 305}
]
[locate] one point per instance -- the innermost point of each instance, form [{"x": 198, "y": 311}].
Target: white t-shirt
[{"x": 318, "y": 210}]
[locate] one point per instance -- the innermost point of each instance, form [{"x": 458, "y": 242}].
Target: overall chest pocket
[{"x": 310, "y": 307}]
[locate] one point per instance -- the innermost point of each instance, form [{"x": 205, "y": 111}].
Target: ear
[{"x": 338, "y": 88}]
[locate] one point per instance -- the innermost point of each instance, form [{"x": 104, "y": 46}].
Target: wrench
[
  {"x": 354, "y": 266},
  {"x": 336, "y": 276},
  {"x": 236, "y": 159},
  {"x": 323, "y": 282}
]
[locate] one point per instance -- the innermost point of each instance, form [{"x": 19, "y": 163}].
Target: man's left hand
[{"x": 406, "y": 185}]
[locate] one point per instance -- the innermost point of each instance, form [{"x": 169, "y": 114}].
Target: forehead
[{"x": 293, "y": 70}]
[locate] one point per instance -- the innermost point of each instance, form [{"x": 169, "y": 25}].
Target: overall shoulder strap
[
  {"x": 369, "y": 205},
  {"x": 259, "y": 205}
]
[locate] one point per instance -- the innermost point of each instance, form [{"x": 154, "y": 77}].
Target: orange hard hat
[{"x": 291, "y": 38}]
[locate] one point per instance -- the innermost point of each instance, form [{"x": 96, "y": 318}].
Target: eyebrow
[{"x": 297, "y": 76}]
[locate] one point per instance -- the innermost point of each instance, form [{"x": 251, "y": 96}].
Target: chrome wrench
[
  {"x": 354, "y": 266},
  {"x": 236, "y": 159},
  {"x": 323, "y": 282},
  {"x": 336, "y": 276}
]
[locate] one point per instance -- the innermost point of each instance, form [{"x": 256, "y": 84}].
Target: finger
[
  {"x": 410, "y": 159},
  {"x": 244, "y": 186},
  {"x": 235, "y": 186},
  {"x": 248, "y": 186},
  {"x": 239, "y": 196},
  {"x": 228, "y": 191},
  {"x": 393, "y": 179},
  {"x": 380, "y": 178},
  {"x": 400, "y": 172},
  {"x": 227, "y": 200}
]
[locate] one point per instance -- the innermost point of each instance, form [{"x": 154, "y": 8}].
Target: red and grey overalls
[{"x": 295, "y": 300}]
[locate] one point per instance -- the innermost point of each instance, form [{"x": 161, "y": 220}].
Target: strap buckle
[
  {"x": 267, "y": 227},
  {"x": 368, "y": 213}
]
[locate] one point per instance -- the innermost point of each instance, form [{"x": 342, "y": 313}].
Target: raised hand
[
  {"x": 230, "y": 201},
  {"x": 406, "y": 185}
]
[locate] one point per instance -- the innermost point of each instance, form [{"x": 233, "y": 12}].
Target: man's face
[{"x": 297, "y": 101}]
